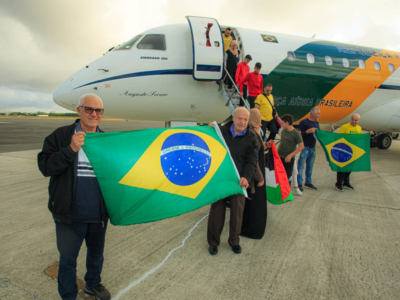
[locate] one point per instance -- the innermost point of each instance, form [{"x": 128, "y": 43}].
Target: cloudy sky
[{"x": 43, "y": 42}]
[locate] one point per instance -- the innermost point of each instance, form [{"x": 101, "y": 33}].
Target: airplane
[{"x": 169, "y": 73}]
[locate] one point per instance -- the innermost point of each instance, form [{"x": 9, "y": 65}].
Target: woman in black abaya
[
  {"x": 255, "y": 209},
  {"x": 231, "y": 61}
]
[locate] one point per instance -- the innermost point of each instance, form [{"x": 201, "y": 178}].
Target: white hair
[
  {"x": 84, "y": 96},
  {"x": 240, "y": 108},
  {"x": 313, "y": 110}
]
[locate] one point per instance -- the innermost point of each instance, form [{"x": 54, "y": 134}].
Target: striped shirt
[{"x": 87, "y": 200}]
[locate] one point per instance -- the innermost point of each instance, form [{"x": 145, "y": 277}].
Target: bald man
[
  {"x": 243, "y": 147},
  {"x": 343, "y": 178},
  {"x": 76, "y": 201}
]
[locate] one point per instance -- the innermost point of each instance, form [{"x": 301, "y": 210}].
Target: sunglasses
[{"x": 89, "y": 110}]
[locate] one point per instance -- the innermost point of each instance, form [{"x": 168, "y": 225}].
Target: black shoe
[
  {"x": 237, "y": 249},
  {"x": 338, "y": 188},
  {"x": 301, "y": 188},
  {"x": 213, "y": 250},
  {"x": 99, "y": 292},
  {"x": 310, "y": 186},
  {"x": 348, "y": 186}
]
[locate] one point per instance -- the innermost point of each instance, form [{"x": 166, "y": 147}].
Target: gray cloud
[{"x": 43, "y": 42}]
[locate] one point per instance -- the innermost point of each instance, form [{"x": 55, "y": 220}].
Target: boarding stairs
[
  {"x": 208, "y": 58},
  {"x": 232, "y": 97}
]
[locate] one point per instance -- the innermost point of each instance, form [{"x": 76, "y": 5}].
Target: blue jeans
[
  {"x": 307, "y": 157},
  {"x": 69, "y": 242}
]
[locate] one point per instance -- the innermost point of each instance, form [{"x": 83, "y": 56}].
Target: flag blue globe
[
  {"x": 341, "y": 152},
  {"x": 185, "y": 158}
]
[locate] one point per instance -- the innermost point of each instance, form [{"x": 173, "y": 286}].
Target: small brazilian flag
[
  {"x": 346, "y": 152},
  {"x": 154, "y": 174}
]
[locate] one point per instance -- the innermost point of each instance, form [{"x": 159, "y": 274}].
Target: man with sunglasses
[{"x": 75, "y": 200}]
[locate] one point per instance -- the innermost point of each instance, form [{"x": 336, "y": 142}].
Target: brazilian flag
[
  {"x": 154, "y": 174},
  {"x": 346, "y": 152}
]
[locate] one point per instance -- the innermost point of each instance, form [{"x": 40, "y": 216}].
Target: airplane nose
[{"x": 62, "y": 95}]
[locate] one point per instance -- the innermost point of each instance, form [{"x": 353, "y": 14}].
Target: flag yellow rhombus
[
  {"x": 342, "y": 153},
  {"x": 148, "y": 172}
]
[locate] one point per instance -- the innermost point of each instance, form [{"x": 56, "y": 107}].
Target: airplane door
[{"x": 208, "y": 49}]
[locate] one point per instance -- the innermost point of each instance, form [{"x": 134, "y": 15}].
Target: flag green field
[
  {"x": 346, "y": 152},
  {"x": 153, "y": 174}
]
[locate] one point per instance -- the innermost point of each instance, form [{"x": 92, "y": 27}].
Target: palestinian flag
[{"x": 277, "y": 184}]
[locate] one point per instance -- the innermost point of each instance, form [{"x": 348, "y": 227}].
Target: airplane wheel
[
  {"x": 395, "y": 135},
  {"x": 384, "y": 141}
]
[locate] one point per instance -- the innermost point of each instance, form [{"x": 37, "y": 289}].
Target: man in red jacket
[
  {"x": 241, "y": 71},
  {"x": 254, "y": 81}
]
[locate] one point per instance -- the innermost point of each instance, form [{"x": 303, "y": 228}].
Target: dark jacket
[
  {"x": 58, "y": 161},
  {"x": 243, "y": 149}
]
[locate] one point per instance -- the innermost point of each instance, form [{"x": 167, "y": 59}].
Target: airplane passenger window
[
  {"x": 346, "y": 63},
  {"x": 129, "y": 44},
  {"x": 391, "y": 68},
  {"x": 328, "y": 60},
  {"x": 152, "y": 42},
  {"x": 377, "y": 66},
  {"x": 310, "y": 58},
  {"x": 291, "y": 56},
  {"x": 361, "y": 63}
]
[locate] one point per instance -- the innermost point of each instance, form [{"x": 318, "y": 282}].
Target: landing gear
[
  {"x": 384, "y": 141},
  {"x": 381, "y": 140},
  {"x": 395, "y": 135}
]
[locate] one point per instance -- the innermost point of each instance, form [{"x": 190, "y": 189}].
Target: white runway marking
[{"x": 148, "y": 273}]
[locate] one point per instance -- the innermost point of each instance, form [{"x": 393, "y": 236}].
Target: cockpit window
[
  {"x": 153, "y": 42},
  {"x": 129, "y": 44}
]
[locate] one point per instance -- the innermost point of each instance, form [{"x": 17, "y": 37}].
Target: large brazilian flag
[
  {"x": 153, "y": 174},
  {"x": 346, "y": 152}
]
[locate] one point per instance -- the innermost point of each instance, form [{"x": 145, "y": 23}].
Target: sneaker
[
  {"x": 348, "y": 186},
  {"x": 311, "y": 186},
  {"x": 338, "y": 188},
  {"x": 301, "y": 188},
  {"x": 99, "y": 292},
  {"x": 297, "y": 191}
]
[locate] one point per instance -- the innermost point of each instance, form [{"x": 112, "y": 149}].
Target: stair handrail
[{"x": 246, "y": 103}]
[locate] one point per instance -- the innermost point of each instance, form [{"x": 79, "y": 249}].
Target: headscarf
[
  {"x": 255, "y": 120},
  {"x": 234, "y": 50}
]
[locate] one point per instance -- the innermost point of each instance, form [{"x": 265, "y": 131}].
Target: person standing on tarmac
[
  {"x": 241, "y": 71},
  {"x": 291, "y": 144},
  {"x": 243, "y": 147},
  {"x": 254, "y": 81},
  {"x": 307, "y": 128},
  {"x": 76, "y": 201},
  {"x": 343, "y": 178},
  {"x": 265, "y": 103}
]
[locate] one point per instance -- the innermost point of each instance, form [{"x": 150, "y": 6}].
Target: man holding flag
[
  {"x": 343, "y": 178},
  {"x": 346, "y": 151},
  {"x": 76, "y": 200},
  {"x": 243, "y": 147}
]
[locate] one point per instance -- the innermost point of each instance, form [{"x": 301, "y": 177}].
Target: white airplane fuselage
[{"x": 159, "y": 85}]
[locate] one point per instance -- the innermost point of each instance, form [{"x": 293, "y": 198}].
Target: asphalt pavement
[{"x": 323, "y": 245}]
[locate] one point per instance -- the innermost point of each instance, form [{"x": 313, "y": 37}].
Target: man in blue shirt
[
  {"x": 243, "y": 147},
  {"x": 307, "y": 128}
]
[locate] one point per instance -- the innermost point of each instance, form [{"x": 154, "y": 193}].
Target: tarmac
[{"x": 323, "y": 245}]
